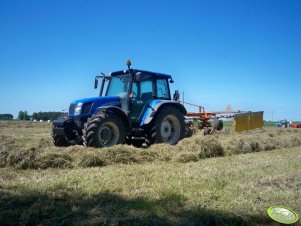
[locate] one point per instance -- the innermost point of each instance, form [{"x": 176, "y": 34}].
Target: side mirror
[
  {"x": 138, "y": 77},
  {"x": 176, "y": 95},
  {"x": 95, "y": 83}
]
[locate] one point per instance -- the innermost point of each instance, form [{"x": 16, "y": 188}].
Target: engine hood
[{"x": 96, "y": 102}]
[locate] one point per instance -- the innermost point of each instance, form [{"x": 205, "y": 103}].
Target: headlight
[{"x": 78, "y": 109}]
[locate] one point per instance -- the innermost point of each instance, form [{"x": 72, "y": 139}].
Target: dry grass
[
  {"x": 124, "y": 185},
  {"x": 28, "y": 145},
  {"x": 53, "y": 160},
  {"x": 233, "y": 190},
  {"x": 22, "y": 159},
  {"x": 91, "y": 160}
]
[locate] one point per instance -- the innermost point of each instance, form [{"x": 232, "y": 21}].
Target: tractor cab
[
  {"x": 147, "y": 88},
  {"x": 136, "y": 90}
]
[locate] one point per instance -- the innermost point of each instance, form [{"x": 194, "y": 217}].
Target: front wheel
[
  {"x": 168, "y": 126},
  {"x": 103, "y": 130},
  {"x": 59, "y": 140}
]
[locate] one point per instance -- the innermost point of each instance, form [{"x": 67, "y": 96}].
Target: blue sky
[{"x": 243, "y": 53}]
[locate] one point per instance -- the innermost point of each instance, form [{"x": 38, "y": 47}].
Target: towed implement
[
  {"x": 295, "y": 125},
  {"x": 210, "y": 122}
]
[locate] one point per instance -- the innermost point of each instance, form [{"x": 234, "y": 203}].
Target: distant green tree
[
  {"x": 20, "y": 115},
  {"x": 35, "y": 116},
  {"x": 26, "y": 116},
  {"x": 6, "y": 116},
  {"x": 23, "y": 115}
]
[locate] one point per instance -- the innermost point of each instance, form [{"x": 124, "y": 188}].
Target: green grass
[
  {"x": 148, "y": 186},
  {"x": 230, "y": 190}
]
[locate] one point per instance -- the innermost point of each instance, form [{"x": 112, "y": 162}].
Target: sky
[{"x": 242, "y": 53}]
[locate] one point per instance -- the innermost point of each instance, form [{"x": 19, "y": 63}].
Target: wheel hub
[
  {"x": 166, "y": 129},
  {"x": 170, "y": 129},
  {"x": 108, "y": 134}
]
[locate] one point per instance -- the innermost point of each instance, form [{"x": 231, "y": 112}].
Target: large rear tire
[
  {"x": 103, "y": 130},
  {"x": 167, "y": 127}
]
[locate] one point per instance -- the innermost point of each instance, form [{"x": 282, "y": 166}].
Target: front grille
[
  {"x": 71, "y": 109},
  {"x": 87, "y": 108}
]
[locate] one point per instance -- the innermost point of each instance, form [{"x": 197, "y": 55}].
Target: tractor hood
[{"x": 89, "y": 105}]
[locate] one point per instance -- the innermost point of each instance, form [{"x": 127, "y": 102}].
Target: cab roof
[{"x": 155, "y": 74}]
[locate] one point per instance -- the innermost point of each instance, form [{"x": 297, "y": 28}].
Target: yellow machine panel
[{"x": 248, "y": 121}]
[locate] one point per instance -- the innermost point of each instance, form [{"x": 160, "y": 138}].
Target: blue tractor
[{"x": 136, "y": 108}]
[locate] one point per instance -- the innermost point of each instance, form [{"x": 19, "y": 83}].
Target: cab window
[{"x": 162, "y": 89}]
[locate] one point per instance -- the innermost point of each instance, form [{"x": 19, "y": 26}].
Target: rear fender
[
  {"x": 117, "y": 111},
  {"x": 155, "y": 107}
]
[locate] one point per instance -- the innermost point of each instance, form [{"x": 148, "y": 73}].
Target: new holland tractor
[{"x": 136, "y": 108}]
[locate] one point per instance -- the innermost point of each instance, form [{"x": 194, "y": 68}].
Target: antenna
[{"x": 129, "y": 63}]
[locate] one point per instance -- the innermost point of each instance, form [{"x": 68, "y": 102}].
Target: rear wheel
[
  {"x": 103, "y": 130},
  {"x": 167, "y": 127}
]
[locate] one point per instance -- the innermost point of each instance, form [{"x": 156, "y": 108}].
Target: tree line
[
  {"x": 51, "y": 115},
  {"x": 6, "y": 116}
]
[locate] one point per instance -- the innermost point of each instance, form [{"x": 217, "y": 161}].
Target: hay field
[{"x": 224, "y": 179}]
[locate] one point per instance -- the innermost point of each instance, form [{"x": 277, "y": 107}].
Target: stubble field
[{"x": 224, "y": 179}]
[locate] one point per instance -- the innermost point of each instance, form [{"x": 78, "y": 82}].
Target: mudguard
[
  {"x": 155, "y": 106},
  {"x": 118, "y": 111}
]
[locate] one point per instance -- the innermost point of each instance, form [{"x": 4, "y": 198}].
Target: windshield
[{"x": 118, "y": 85}]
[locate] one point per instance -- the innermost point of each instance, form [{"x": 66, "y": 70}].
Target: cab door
[{"x": 141, "y": 97}]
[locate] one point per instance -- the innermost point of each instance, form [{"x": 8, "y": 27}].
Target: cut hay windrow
[{"x": 24, "y": 151}]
